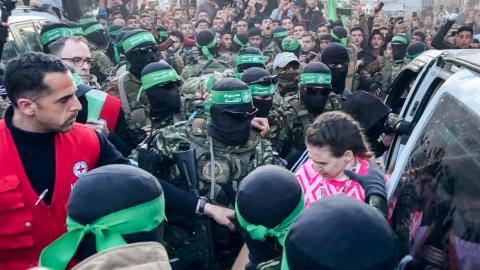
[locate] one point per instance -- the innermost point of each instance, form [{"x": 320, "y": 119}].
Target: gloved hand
[
  {"x": 372, "y": 182},
  {"x": 453, "y": 17}
]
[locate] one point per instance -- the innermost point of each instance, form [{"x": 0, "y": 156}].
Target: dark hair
[
  {"x": 340, "y": 132},
  {"x": 419, "y": 34},
  {"x": 285, "y": 17},
  {"x": 465, "y": 28},
  {"x": 255, "y": 31},
  {"x": 24, "y": 75},
  {"x": 300, "y": 24},
  {"x": 356, "y": 28},
  {"x": 201, "y": 21},
  {"x": 58, "y": 45},
  {"x": 132, "y": 17},
  {"x": 178, "y": 34}
]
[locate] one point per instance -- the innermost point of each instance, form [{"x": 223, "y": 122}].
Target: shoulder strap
[
  {"x": 123, "y": 94},
  {"x": 302, "y": 113}
]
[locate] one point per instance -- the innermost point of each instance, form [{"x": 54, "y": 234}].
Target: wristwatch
[{"x": 202, "y": 201}]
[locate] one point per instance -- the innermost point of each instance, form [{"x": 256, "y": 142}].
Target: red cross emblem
[{"x": 80, "y": 168}]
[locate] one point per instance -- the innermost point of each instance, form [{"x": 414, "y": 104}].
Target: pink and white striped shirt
[{"x": 315, "y": 187}]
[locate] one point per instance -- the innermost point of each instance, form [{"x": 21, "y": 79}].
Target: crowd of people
[{"x": 239, "y": 133}]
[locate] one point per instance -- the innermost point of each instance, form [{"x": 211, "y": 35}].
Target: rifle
[
  {"x": 6, "y": 6},
  {"x": 201, "y": 249}
]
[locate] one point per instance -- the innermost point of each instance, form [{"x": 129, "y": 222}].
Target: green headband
[
  {"x": 77, "y": 31},
  {"x": 280, "y": 34},
  {"x": 260, "y": 232},
  {"x": 108, "y": 231},
  {"x": 262, "y": 90},
  {"x": 230, "y": 97},
  {"x": 94, "y": 28},
  {"x": 76, "y": 79},
  {"x": 156, "y": 78},
  {"x": 162, "y": 34},
  {"x": 250, "y": 59},
  {"x": 410, "y": 58},
  {"x": 343, "y": 41},
  {"x": 292, "y": 46},
  {"x": 131, "y": 42},
  {"x": 205, "y": 48},
  {"x": 54, "y": 34},
  {"x": 86, "y": 20},
  {"x": 240, "y": 43},
  {"x": 400, "y": 39},
  {"x": 315, "y": 78},
  {"x": 114, "y": 33}
]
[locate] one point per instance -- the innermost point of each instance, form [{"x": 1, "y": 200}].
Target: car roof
[{"x": 21, "y": 14}]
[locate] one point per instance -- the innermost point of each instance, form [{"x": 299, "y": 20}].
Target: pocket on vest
[{"x": 15, "y": 219}]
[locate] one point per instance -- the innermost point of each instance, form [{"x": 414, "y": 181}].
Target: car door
[{"x": 440, "y": 166}]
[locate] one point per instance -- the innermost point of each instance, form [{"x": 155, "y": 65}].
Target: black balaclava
[
  {"x": 415, "y": 50},
  {"x": 369, "y": 111},
  {"x": 340, "y": 232},
  {"x": 399, "y": 47},
  {"x": 51, "y": 32},
  {"x": 109, "y": 189},
  {"x": 249, "y": 57},
  {"x": 161, "y": 84},
  {"x": 206, "y": 43},
  {"x": 278, "y": 34},
  {"x": 335, "y": 54},
  {"x": 266, "y": 197},
  {"x": 315, "y": 87},
  {"x": 140, "y": 49},
  {"x": 261, "y": 83},
  {"x": 231, "y": 110},
  {"x": 113, "y": 32},
  {"x": 95, "y": 33},
  {"x": 240, "y": 41}
]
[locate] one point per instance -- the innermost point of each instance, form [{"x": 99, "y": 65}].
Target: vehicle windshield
[{"x": 443, "y": 171}]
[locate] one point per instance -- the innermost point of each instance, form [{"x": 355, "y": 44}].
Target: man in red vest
[
  {"x": 74, "y": 52},
  {"x": 42, "y": 153}
]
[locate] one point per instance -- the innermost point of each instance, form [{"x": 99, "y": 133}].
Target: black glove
[
  {"x": 372, "y": 183},
  {"x": 149, "y": 160}
]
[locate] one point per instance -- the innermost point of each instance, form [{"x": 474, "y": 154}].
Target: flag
[{"x": 332, "y": 10}]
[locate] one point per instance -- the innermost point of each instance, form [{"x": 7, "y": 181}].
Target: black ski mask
[
  {"x": 231, "y": 114},
  {"x": 314, "y": 99},
  {"x": 339, "y": 75},
  {"x": 139, "y": 58},
  {"x": 399, "y": 51},
  {"x": 263, "y": 106},
  {"x": 164, "y": 100}
]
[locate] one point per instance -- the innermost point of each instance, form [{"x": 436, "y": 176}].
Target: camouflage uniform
[
  {"x": 270, "y": 52},
  {"x": 232, "y": 163},
  {"x": 101, "y": 65},
  {"x": 279, "y": 133},
  {"x": 298, "y": 118},
  {"x": 389, "y": 71},
  {"x": 204, "y": 66},
  {"x": 136, "y": 110},
  {"x": 229, "y": 58},
  {"x": 3, "y": 107},
  {"x": 174, "y": 59},
  {"x": 352, "y": 64}
]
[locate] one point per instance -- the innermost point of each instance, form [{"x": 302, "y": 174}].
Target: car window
[
  {"x": 400, "y": 89},
  {"x": 28, "y": 36},
  {"x": 9, "y": 52},
  {"x": 442, "y": 180}
]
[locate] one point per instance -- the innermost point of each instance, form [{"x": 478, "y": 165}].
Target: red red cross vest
[
  {"x": 27, "y": 224},
  {"x": 110, "y": 106}
]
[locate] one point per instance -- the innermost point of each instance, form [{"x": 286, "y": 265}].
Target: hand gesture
[{"x": 221, "y": 215}]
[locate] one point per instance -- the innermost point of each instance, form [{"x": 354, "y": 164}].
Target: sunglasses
[
  {"x": 265, "y": 80},
  {"x": 144, "y": 50},
  {"x": 244, "y": 115},
  {"x": 313, "y": 90}
]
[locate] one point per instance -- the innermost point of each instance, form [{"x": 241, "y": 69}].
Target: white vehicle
[
  {"x": 25, "y": 25},
  {"x": 434, "y": 189}
]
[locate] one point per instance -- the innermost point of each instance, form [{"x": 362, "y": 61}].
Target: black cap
[{"x": 340, "y": 232}]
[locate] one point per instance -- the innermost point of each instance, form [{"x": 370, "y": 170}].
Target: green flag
[{"x": 332, "y": 10}]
